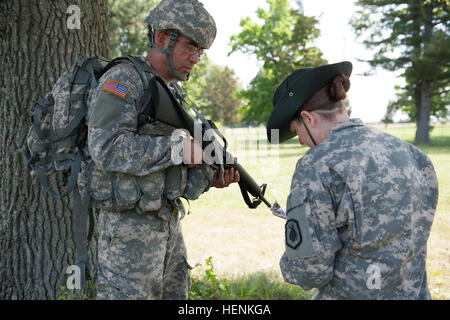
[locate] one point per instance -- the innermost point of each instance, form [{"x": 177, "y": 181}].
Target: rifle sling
[{"x": 251, "y": 204}]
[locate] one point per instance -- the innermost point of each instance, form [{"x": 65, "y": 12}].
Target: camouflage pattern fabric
[
  {"x": 359, "y": 215},
  {"x": 132, "y": 178},
  {"x": 188, "y": 17},
  {"x": 141, "y": 257}
]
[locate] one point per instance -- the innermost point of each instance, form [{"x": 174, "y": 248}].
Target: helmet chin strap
[
  {"x": 307, "y": 130},
  {"x": 168, "y": 53}
]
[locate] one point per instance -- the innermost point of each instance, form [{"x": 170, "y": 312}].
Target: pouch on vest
[
  {"x": 118, "y": 192},
  {"x": 176, "y": 177}
]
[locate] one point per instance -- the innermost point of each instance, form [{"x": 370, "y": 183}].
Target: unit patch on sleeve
[
  {"x": 293, "y": 234},
  {"x": 117, "y": 88}
]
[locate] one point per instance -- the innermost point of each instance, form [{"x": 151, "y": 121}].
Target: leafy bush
[{"x": 255, "y": 286}]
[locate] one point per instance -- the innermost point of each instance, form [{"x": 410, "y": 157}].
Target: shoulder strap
[
  {"x": 81, "y": 212},
  {"x": 179, "y": 93},
  {"x": 130, "y": 60}
]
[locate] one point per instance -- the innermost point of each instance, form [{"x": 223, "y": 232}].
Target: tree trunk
[
  {"x": 36, "y": 231},
  {"x": 423, "y": 115},
  {"x": 423, "y": 98}
]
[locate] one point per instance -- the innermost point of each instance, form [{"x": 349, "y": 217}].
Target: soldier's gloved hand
[
  {"x": 192, "y": 153},
  {"x": 230, "y": 176}
]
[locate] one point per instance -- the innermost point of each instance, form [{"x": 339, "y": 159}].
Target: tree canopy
[
  {"x": 412, "y": 36},
  {"x": 127, "y": 30},
  {"x": 212, "y": 89},
  {"x": 283, "y": 43}
]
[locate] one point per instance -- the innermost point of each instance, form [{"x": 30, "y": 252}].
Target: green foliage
[
  {"x": 73, "y": 294},
  {"x": 282, "y": 43},
  {"x": 127, "y": 29},
  {"x": 212, "y": 89},
  {"x": 413, "y": 36},
  {"x": 389, "y": 116},
  {"x": 222, "y": 85},
  {"x": 348, "y": 107},
  {"x": 257, "y": 286},
  {"x": 209, "y": 286},
  {"x": 195, "y": 86}
]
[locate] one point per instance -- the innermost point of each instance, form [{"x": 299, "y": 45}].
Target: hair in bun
[
  {"x": 339, "y": 87},
  {"x": 329, "y": 100}
]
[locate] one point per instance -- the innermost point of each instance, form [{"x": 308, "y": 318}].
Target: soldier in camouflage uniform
[
  {"x": 132, "y": 176},
  {"x": 361, "y": 203}
]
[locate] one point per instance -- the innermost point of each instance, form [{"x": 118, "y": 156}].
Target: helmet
[{"x": 188, "y": 17}]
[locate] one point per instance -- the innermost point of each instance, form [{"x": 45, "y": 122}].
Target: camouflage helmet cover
[{"x": 189, "y": 17}]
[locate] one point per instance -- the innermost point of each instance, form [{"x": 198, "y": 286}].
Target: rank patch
[
  {"x": 293, "y": 234},
  {"x": 117, "y": 88}
]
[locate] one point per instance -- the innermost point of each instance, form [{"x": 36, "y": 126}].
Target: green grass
[
  {"x": 255, "y": 286},
  {"x": 219, "y": 213}
]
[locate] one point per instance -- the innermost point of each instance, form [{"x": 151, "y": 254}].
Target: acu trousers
[{"x": 141, "y": 257}]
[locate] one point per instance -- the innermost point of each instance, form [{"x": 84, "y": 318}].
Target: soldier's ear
[
  {"x": 306, "y": 116},
  {"x": 161, "y": 39}
]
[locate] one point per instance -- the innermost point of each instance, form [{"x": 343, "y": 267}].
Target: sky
[{"x": 368, "y": 95}]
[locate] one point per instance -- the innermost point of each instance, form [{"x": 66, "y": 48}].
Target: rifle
[{"x": 159, "y": 103}]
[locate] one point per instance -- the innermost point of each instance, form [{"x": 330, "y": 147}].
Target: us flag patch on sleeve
[{"x": 117, "y": 88}]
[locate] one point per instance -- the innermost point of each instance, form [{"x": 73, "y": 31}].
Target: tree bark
[
  {"x": 423, "y": 115},
  {"x": 423, "y": 90},
  {"x": 36, "y": 236}
]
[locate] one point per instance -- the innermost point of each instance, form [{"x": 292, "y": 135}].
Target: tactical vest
[{"x": 119, "y": 191}]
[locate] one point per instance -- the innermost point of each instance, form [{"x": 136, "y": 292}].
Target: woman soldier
[{"x": 361, "y": 203}]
